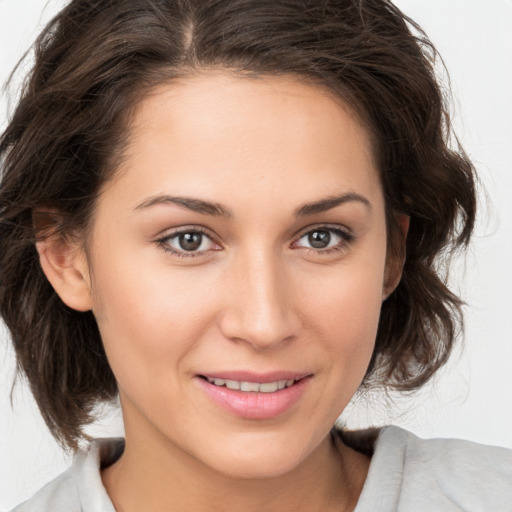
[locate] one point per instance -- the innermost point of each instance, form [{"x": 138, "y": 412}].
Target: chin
[{"x": 263, "y": 456}]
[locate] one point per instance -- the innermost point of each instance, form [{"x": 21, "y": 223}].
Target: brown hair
[{"x": 97, "y": 58}]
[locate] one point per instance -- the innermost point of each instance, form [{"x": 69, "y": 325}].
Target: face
[{"x": 241, "y": 245}]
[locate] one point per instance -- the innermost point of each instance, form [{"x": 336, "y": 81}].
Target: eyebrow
[
  {"x": 331, "y": 202},
  {"x": 219, "y": 210},
  {"x": 195, "y": 205}
]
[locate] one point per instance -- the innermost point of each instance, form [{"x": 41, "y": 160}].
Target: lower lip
[{"x": 255, "y": 405}]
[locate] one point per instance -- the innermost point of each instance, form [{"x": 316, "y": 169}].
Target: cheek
[
  {"x": 349, "y": 300},
  {"x": 147, "y": 320},
  {"x": 344, "y": 313}
]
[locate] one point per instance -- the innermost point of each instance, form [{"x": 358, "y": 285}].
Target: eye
[
  {"x": 324, "y": 238},
  {"x": 190, "y": 242}
]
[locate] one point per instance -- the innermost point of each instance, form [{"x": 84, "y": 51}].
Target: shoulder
[
  {"x": 79, "y": 488},
  {"x": 410, "y": 473}
]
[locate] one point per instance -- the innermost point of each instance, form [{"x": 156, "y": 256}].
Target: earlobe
[
  {"x": 403, "y": 222},
  {"x": 65, "y": 267},
  {"x": 396, "y": 254}
]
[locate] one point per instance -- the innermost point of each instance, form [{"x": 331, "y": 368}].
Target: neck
[{"x": 155, "y": 474}]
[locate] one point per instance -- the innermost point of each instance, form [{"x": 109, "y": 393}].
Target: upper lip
[{"x": 247, "y": 376}]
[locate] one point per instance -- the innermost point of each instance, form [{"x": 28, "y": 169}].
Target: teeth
[
  {"x": 232, "y": 384},
  {"x": 261, "y": 387},
  {"x": 249, "y": 386},
  {"x": 268, "y": 387}
]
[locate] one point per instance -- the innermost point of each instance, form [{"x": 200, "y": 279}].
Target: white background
[{"x": 472, "y": 398}]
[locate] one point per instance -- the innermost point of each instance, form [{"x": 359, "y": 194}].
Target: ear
[
  {"x": 395, "y": 258},
  {"x": 65, "y": 266}
]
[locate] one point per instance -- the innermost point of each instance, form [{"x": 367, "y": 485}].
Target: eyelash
[
  {"x": 346, "y": 237},
  {"x": 164, "y": 242}
]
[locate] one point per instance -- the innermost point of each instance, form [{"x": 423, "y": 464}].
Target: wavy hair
[{"x": 97, "y": 59}]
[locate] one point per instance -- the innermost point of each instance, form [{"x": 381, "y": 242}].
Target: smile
[
  {"x": 255, "y": 397},
  {"x": 257, "y": 387}
]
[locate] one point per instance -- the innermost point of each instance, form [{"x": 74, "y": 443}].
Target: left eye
[
  {"x": 323, "y": 238},
  {"x": 189, "y": 241}
]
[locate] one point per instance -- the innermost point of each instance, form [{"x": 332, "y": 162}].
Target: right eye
[{"x": 187, "y": 243}]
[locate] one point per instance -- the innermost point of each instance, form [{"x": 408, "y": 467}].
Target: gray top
[{"x": 407, "y": 474}]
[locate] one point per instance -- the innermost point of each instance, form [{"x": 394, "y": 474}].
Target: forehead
[{"x": 215, "y": 132}]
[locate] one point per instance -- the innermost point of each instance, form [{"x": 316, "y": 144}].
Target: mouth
[
  {"x": 255, "y": 387},
  {"x": 252, "y": 396}
]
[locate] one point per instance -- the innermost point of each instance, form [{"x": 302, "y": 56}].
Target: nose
[{"x": 259, "y": 308}]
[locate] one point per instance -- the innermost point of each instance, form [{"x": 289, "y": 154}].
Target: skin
[{"x": 256, "y": 296}]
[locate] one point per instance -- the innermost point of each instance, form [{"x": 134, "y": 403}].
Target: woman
[{"x": 232, "y": 220}]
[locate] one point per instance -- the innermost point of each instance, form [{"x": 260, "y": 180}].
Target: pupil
[
  {"x": 190, "y": 241},
  {"x": 319, "y": 239}
]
